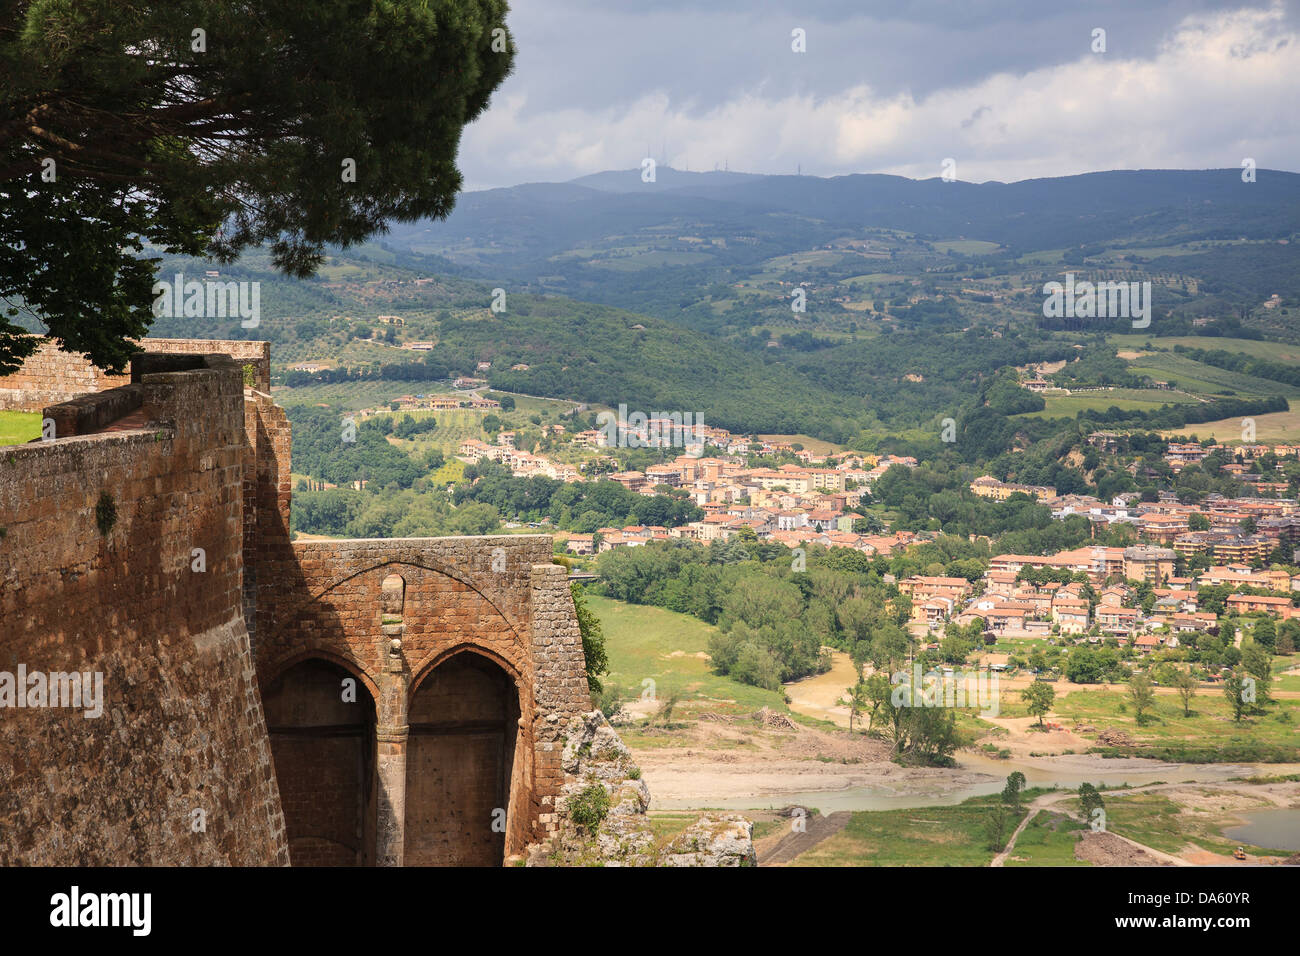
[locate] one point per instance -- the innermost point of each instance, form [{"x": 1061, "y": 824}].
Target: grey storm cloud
[{"x": 1009, "y": 88}]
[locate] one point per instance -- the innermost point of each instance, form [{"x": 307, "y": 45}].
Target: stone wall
[
  {"x": 98, "y": 574},
  {"x": 466, "y": 652},
  {"x": 51, "y": 376},
  {"x": 267, "y": 495},
  {"x": 255, "y": 354},
  {"x": 395, "y": 613},
  {"x": 562, "y": 692},
  {"x": 92, "y": 412}
]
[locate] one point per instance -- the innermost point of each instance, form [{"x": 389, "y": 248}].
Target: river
[
  {"x": 1274, "y": 829},
  {"x": 978, "y": 775}
]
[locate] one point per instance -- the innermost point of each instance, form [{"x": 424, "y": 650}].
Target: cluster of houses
[
  {"x": 1015, "y": 608},
  {"x": 522, "y": 464},
  {"x": 986, "y": 486},
  {"x": 1227, "y": 530},
  {"x": 1231, "y": 530},
  {"x": 1005, "y": 606},
  {"x": 843, "y": 477},
  {"x": 1180, "y": 454},
  {"x": 791, "y": 504},
  {"x": 442, "y": 403},
  {"x": 673, "y": 432},
  {"x": 631, "y": 536},
  {"x": 794, "y": 505},
  {"x": 1243, "y": 457}
]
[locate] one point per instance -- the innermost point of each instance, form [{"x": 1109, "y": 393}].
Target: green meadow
[
  {"x": 924, "y": 836},
  {"x": 645, "y": 642},
  {"x": 17, "y": 428}
]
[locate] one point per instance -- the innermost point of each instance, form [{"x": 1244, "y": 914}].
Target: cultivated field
[
  {"x": 1272, "y": 351},
  {"x": 1067, "y": 406},
  {"x": 351, "y": 396},
  {"x": 929, "y": 836},
  {"x": 1273, "y": 427}
]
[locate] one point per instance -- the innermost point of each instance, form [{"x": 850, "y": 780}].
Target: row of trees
[
  {"x": 774, "y": 616},
  {"x": 573, "y": 506},
  {"x": 896, "y": 713},
  {"x": 390, "y": 513}
]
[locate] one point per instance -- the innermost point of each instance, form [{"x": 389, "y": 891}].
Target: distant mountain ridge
[
  {"x": 538, "y": 220},
  {"x": 666, "y": 177}
]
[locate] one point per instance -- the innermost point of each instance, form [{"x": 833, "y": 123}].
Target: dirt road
[
  {"x": 816, "y": 829},
  {"x": 1113, "y": 849},
  {"x": 1050, "y": 799}
]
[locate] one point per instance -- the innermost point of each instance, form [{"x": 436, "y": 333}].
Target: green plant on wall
[
  {"x": 593, "y": 639},
  {"x": 589, "y": 806},
  {"x": 105, "y": 513}
]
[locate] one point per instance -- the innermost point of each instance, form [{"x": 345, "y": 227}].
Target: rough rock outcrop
[
  {"x": 724, "y": 839},
  {"x": 594, "y": 755},
  {"x": 602, "y": 812}
]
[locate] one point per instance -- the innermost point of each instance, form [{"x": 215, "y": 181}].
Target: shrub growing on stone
[{"x": 589, "y": 806}]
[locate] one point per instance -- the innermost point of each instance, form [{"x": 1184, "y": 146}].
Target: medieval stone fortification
[{"x": 265, "y": 701}]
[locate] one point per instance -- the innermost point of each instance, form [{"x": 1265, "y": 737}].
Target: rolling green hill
[
  {"x": 788, "y": 304},
  {"x": 659, "y": 248}
]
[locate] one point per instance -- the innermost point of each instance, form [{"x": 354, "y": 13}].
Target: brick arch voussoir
[
  {"x": 282, "y": 665},
  {"x": 517, "y": 670},
  {"x": 517, "y": 628}
]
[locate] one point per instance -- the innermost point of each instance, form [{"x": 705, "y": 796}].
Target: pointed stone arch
[
  {"x": 321, "y": 720},
  {"x": 468, "y": 769}
]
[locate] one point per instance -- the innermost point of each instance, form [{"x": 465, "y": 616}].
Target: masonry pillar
[
  {"x": 391, "y": 739},
  {"x": 560, "y": 688}
]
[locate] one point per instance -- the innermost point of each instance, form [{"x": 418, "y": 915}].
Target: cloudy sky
[{"x": 1009, "y": 89}]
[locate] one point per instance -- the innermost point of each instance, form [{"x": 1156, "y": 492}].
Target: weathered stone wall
[
  {"x": 189, "y": 656},
  {"x": 561, "y": 680},
  {"x": 92, "y": 412},
  {"x": 256, "y": 354},
  {"x": 182, "y": 727},
  {"x": 266, "y": 495},
  {"x": 51, "y": 376},
  {"x": 327, "y": 596},
  {"x": 497, "y": 597}
]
